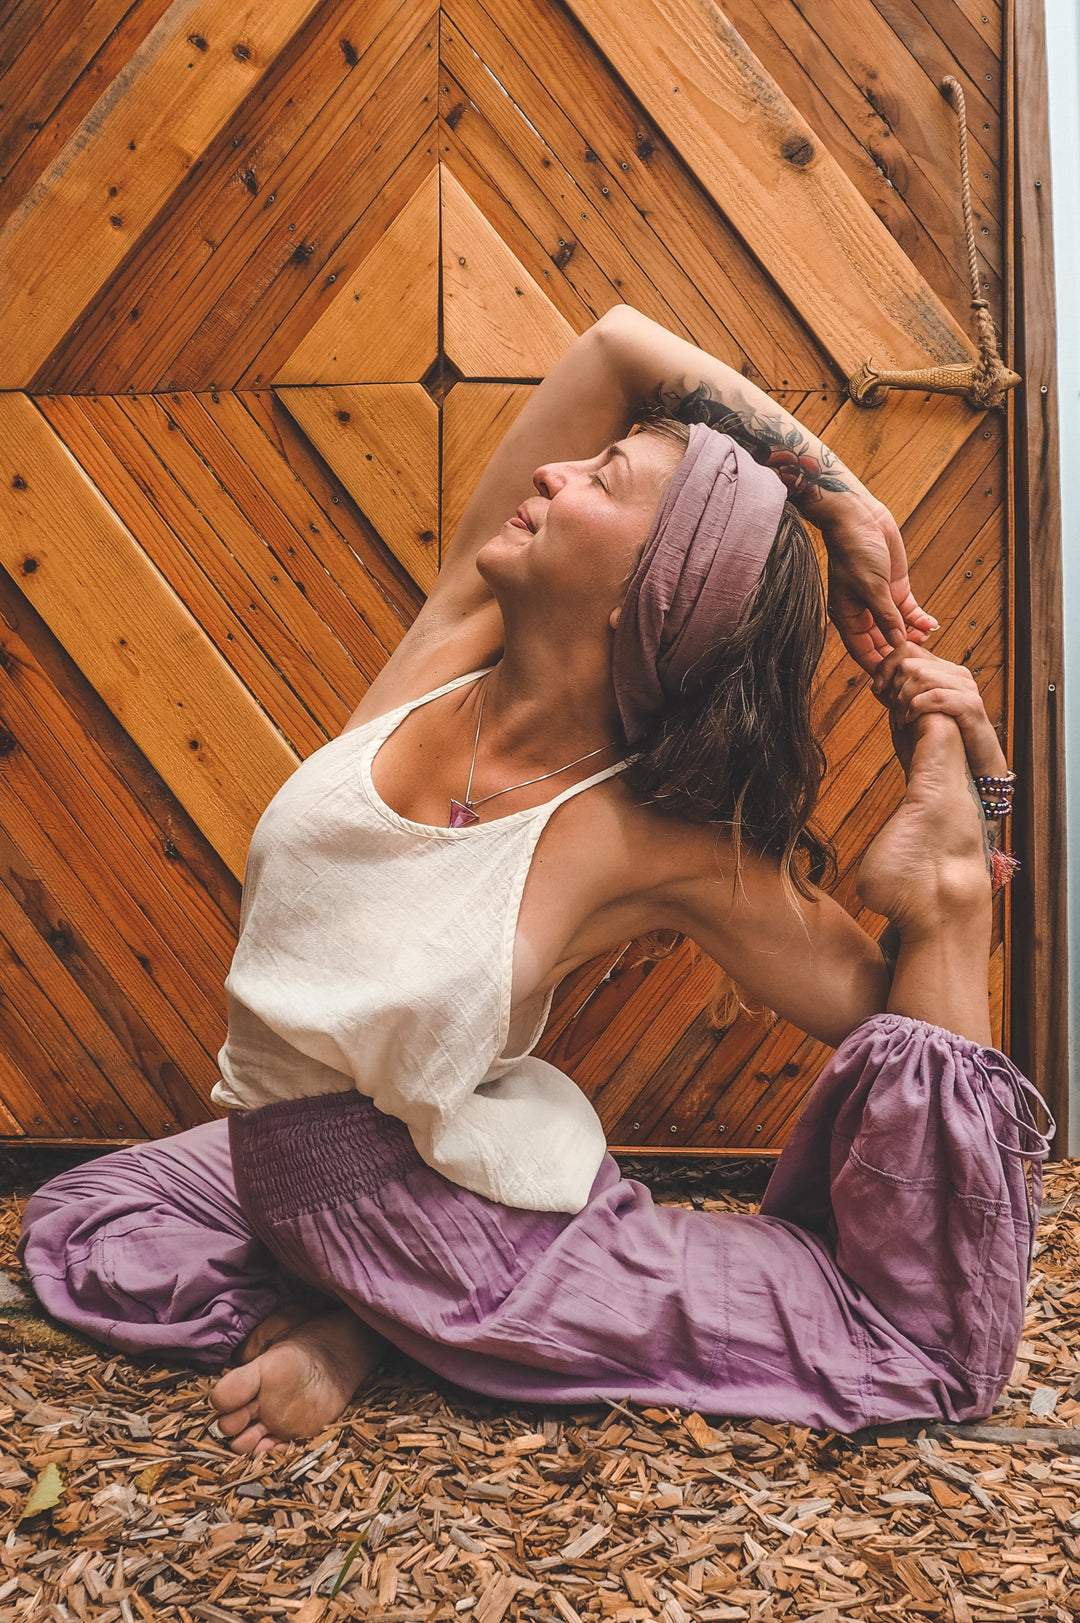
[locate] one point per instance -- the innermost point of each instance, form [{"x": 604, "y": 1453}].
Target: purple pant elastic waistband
[{"x": 309, "y": 1155}]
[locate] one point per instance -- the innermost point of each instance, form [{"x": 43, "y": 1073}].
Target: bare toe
[
  {"x": 236, "y": 1389},
  {"x": 249, "y": 1441}
]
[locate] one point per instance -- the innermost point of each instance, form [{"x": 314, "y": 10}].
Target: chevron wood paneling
[
  {"x": 383, "y": 323},
  {"x": 275, "y": 282},
  {"x": 497, "y": 322},
  {"x": 382, "y": 440}
]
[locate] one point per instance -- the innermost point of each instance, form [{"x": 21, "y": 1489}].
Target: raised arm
[
  {"x": 804, "y": 957},
  {"x": 870, "y": 598}
]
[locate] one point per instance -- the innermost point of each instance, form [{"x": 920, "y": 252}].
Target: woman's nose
[
  {"x": 552, "y": 476},
  {"x": 546, "y": 479}
]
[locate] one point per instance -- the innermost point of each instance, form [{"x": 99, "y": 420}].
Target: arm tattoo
[{"x": 772, "y": 438}]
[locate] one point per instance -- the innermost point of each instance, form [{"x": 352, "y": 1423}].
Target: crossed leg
[{"x": 926, "y": 871}]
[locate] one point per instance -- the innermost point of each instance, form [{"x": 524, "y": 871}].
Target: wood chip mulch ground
[{"x": 424, "y": 1503}]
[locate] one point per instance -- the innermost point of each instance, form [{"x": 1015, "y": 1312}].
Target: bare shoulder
[
  {"x": 629, "y": 850},
  {"x": 692, "y": 878}
]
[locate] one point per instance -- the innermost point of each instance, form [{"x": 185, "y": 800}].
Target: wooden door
[{"x": 275, "y": 279}]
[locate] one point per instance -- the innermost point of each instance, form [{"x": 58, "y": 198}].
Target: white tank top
[{"x": 377, "y": 953}]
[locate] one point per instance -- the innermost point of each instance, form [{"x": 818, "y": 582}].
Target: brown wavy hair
[{"x": 741, "y": 751}]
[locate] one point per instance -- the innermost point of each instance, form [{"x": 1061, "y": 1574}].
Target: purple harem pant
[{"x": 885, "y": 1278}]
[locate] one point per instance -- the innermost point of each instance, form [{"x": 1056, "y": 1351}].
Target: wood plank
[
  {"x": 55, "y": 254},
  {"x": 383, "y": 324},
  {"x": 475, "y": 416},
  {"x": 382, "y": 440},
  {"x": 643, "y": 1011},
  {"x": 332, "y": 579},
  {"x": 390, "y": 186},
  {"x": 967, "y": 44},
  {"x": 145, "y": 303},
  {"x": 33, "y": 1085},
  {"x": 345, "y": 530},
  {"x": 952, "y": 510},
  {"x": 18, "y": 26},
  {"x": 63, "y": 42},
  {"x": 924, "y": 47},
  {"x": 229, "y": 611},
  {"x": 137, "y": 644},
  {"x": 497, "y": 323},
  {"x": 112, "y": 873},
  {"x": 787, "y": 1069},
  {"x": 544, "y": 242},
  {"x": 903, "y": 98},
  {"x": 298, "y": 157},
  {"x": 626, "y": 194},
  {"x": 900, "y": 448},
  {"x": 14, "y": 1089},
  {"x": 986, "y": 19},
  {"x": 637, "y": 1104},
  {"x": 73, "y": 903},
  {"x": 74, "y": 742},
  {"x": 328, "y": 182},
  {"x": 32, "y": 153},
  {"x": 291, "y": 633},
  {"x": 856, "y": 289},
  {"x": 894, "y": 145},
  {"x": 82, "y": 1004}
]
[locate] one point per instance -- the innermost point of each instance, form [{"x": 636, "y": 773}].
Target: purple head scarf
[{"x": 705, "y": 553}]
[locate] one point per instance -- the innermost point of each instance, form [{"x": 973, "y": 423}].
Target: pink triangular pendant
[{"x": 461, "y": 816}]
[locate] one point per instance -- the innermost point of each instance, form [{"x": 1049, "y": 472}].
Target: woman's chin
[{"x": 500, "y": 552}]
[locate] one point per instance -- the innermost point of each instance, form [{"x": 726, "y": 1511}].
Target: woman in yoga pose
[{"x": 640, "y": 637}]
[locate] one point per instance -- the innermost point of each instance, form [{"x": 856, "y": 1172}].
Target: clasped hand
[{"x": 870, "y": 599}]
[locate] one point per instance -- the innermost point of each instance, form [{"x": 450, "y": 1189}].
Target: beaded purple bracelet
[{"x": 995, "y": 793}]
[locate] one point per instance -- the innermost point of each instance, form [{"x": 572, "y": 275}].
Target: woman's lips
[{"x": 518, "y": 523}]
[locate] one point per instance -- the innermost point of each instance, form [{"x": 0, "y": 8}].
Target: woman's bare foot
[
  {"x": 930, "y": 861},
  {"x": 305, "y": 1373},
  {"x": 273, "y": 1329}
]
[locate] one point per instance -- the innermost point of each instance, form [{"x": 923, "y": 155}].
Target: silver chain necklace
[{"x": 463, "y": 812}]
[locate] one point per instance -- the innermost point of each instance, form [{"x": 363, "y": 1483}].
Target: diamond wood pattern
[{"x": 273, "y": 284}]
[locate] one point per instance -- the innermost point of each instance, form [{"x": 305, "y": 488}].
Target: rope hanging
[{"x": 983, "y": 383}]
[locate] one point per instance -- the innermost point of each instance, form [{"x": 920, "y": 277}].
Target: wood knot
[
  {"x": 798, "y": 150},
  {"x": 349, "y": 52}
]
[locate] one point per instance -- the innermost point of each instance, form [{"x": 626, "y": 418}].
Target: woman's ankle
[{"x": 942, "y": 971}]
